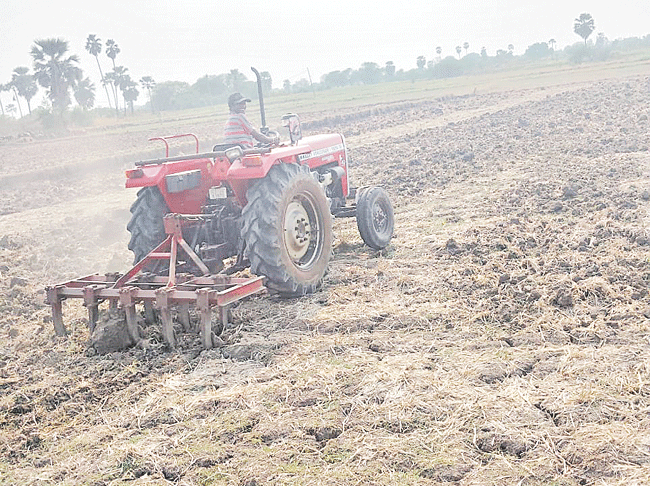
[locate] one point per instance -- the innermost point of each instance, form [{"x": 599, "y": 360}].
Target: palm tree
[
  {"x": 16, "y": 98},
  {"x": 84, "y": 93},
  {"x": 111, "y": 79},
  {"x": 94, "y": 47},
  {"x": 124, "y": 82},
  {"x": 112, "y": 50},
  {"x": 118, "y": 77},
  {"x": 584, "y": 26},
  {"x": 148, "y": 83},
  {"x": 439, "y": 51},
  {"x": 551, "y": 44},
  {"x": 466, "y": 46},
  {"x": 25, "y": 85},
  {"x": 421, "y": 62},
  {"x": 130, "y": 92},
  {"x": 458, "y": 50},
  {"x": 54, "y": 71},
  {"x": 511, "y": 49}
]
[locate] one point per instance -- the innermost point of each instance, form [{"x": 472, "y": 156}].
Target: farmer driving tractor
[{"x": 238, "y": 129}]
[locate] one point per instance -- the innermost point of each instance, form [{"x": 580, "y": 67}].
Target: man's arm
[{"x": 260, "y": 137}]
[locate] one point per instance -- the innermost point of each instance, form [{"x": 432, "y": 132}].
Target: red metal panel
[{"x": 186, "y": 202}]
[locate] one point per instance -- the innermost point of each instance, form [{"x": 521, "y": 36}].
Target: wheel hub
[
  {"x": 379, "y": 218},
  {"x": 297, "y": 230}
]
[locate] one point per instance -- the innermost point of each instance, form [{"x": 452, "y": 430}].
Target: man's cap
[{"x": 237, "y": 98}]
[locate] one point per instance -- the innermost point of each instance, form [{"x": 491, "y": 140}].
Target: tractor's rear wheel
[
  {"x": 287, "y": 227},
  {"x": 146, "y": 225}
]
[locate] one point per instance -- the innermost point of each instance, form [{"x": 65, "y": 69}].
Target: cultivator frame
[{"x": 181, "y": 290}]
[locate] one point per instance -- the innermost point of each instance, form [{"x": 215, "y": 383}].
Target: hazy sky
[{"x": 173, "y": 40}]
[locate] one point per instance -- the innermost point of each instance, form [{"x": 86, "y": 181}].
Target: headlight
[{"x": 234, "y": 153}]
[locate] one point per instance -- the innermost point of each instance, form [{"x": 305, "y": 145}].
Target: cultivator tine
[
  {"x": 184, "y": 316},
  {"x": 56, "y": 301},
  {"x": 224, "y": 316},
  {"x": 148, "y": 304},
  {"x": 162, "y": 302},
  {"x": 172, "y": 261},
  {"x": 149, "y": 312},
  {"x": 92, "y": 304},
  {"x": 128, "y": 304},
  {"x": 205, "y": 317}
]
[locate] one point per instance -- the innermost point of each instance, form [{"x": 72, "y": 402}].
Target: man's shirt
[{"x": 239, "y": 130}]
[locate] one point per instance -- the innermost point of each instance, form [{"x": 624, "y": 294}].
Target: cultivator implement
[{"x": 206, "y": 292}]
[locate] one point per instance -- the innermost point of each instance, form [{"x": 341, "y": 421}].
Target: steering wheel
[{"x": 272, "y": 134}]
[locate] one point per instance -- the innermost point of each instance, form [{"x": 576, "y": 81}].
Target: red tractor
[{"x": 270, "y": 206}]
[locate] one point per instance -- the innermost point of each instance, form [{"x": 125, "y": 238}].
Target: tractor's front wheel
[
  {"x": 375, "y": 218},
  {"x": 287, "y": 227},
  {"x": 146, "y": 225}
]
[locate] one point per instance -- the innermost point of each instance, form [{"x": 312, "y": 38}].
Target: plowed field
[{"x": 502, "y": 338}]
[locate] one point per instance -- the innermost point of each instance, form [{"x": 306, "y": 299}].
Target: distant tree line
[
  {"x": 59, "y": 73},
  {"x": 470, "y": 63},
  {"x": 213, "y": 89},
  {"x": 208, "y": 90}
]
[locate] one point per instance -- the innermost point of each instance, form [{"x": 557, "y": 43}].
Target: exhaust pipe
[{"x": 264, "y": 129}]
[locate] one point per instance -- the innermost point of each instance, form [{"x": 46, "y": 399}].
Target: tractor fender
[
  {"x": 256, "y": 166},
  {"x": 314, "y": 151},
  {"x": 243, "y": 172}
]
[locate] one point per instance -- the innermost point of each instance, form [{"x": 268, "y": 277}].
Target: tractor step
[
  {"x": 157, "y": 292},
  {"x": 345, "y": 212}
]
